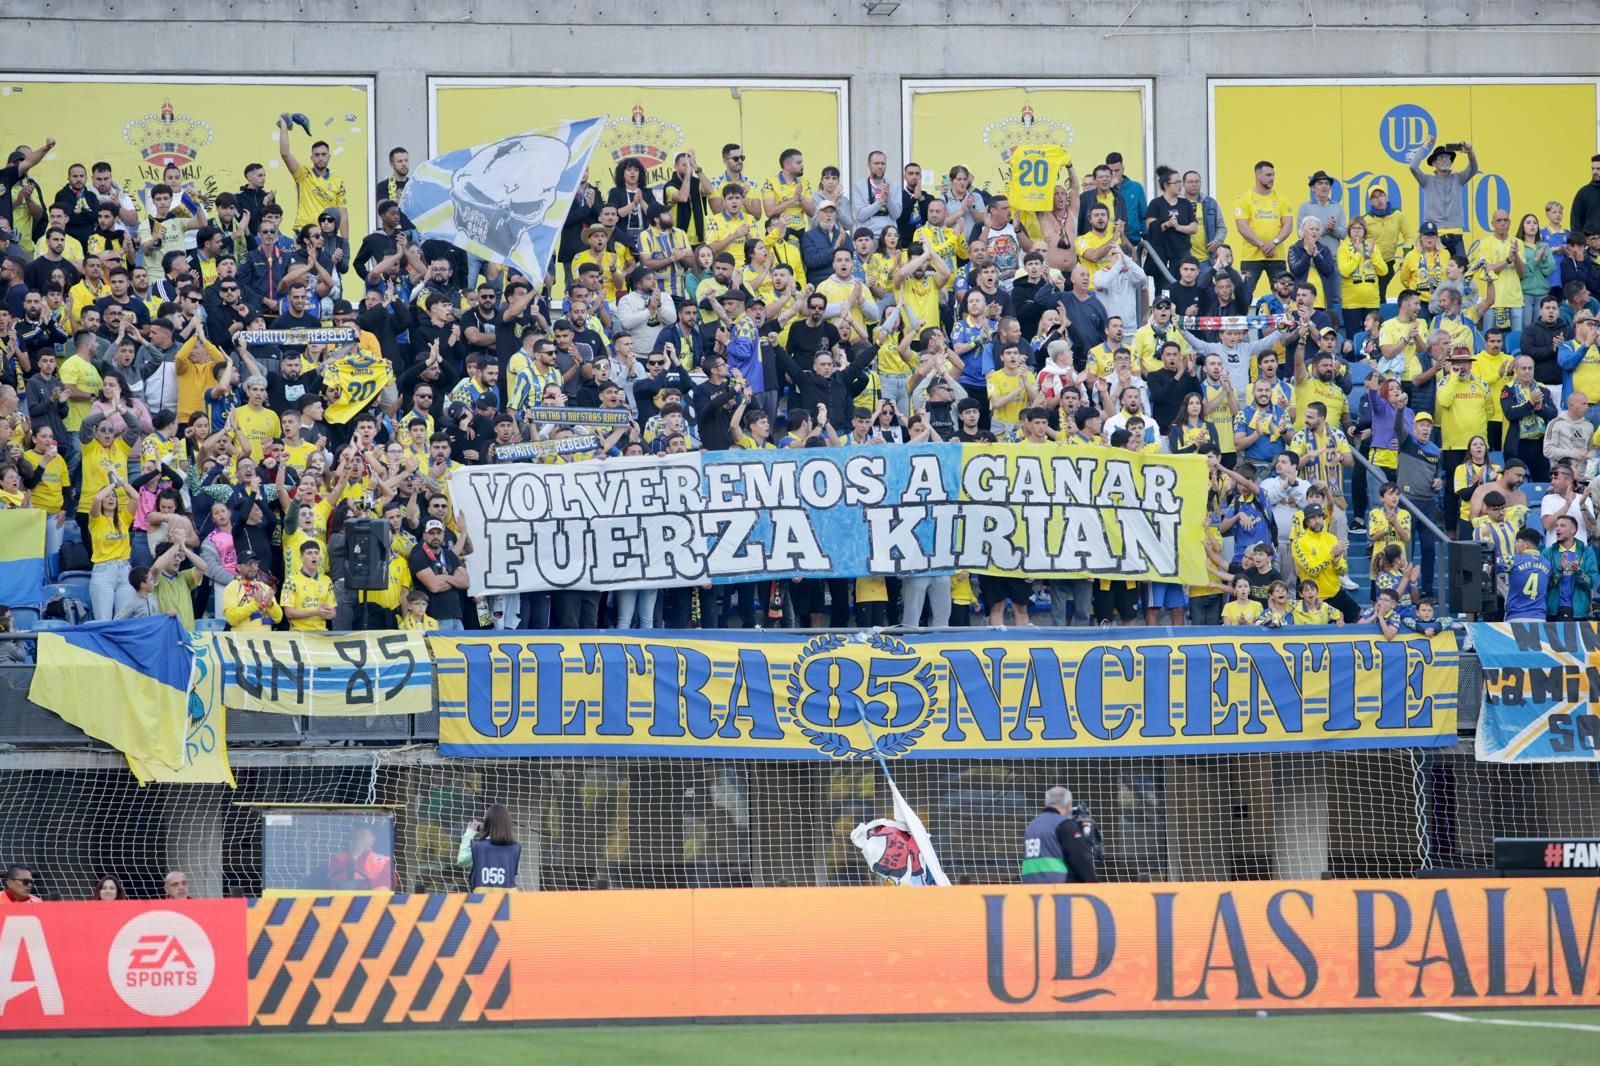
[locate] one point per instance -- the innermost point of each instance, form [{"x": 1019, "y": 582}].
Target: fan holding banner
[{"x": 505, "y": 201}]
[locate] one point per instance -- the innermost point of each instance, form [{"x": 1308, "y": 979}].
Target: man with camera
[
  {"x": 1442, "y": 202},
  {"x": 1057, "y": 846}
]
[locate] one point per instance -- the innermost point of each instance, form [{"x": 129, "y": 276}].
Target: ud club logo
[{"x": 161, "y": 963}]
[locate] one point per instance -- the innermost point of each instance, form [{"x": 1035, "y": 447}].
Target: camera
[
  {"x": 1454, "y": 146},
  {"x": 1091, "y": 830}
]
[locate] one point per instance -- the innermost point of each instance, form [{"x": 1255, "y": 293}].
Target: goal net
[{"x": 73, "y": 816}]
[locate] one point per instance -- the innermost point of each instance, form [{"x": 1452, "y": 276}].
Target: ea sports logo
[
  {"x": 161, "y": 963},
  {"x": 1403, "y": 129}
]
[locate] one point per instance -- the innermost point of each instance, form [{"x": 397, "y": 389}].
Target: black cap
[
  {"x": 343, "y": 307},
  {"x": 1314, "y": 510},
  {"x": 455, "y": 411},
  {"x": 246, "y": 555}
]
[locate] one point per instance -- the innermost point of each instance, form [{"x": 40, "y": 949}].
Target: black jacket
[
  {"x": 837, "y": 391},
  {"x": 1585, "y": 214},
  {"x": 1539, "y": 343},
  {"x": 713, "y": 408}
]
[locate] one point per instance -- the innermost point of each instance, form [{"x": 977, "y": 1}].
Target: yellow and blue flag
[
  {"x": 125, "y": 683},
  {"x": 505, "y": 201},
  {"x": 22, "y": 557}
]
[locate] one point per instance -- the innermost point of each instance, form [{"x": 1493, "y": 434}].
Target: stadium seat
[
  {"x": 1388, "y": 311},
  {"x": 1514, "y": 342},
  {"x": 48, "y": 624},
  {"x": 72, "y": 586},
  {"x": 25, "y": 618},
  {"x": 209, "y": 625}
]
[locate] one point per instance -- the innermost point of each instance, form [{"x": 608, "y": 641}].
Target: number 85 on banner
[{"x": 834, "y": 698}]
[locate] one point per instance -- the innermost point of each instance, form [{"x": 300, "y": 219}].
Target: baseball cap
[
  {"x": 1314, "y": 510},
  {"x": 1429, "y": 229},
  {"x": 1164, "y": 301},
  {"x": 433, "y": 524},
  {"x": 1424, "y": 416},
  {"x": 247, "y": 555},
  {"x": 455, "y": 411},
  {"x": 1327, "y": 331},
  {"x": 487, "y": 400},
  {"x": 343, "y": 307}
]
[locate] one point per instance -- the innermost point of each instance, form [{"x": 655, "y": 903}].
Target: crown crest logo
[
  {"x": 652, "y": 141},
  {"x": 1027, "y": 128},
  {"x": 168, "y": 138}
]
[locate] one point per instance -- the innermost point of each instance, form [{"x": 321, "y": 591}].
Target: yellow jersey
[
  {"x": 1088, "y": 241},
  {"x": 243, "y": 613},
  {"x": 838, "y": 292},
  {"x": 1264, "y": 214},
  {"x": 944, "y": 242},
  {"x": 257, "y": 427},
  {"x": 610, "y": 264},
  {"x": 96, "y": 468},
  {"x": 109, "y": 535},
  {"x": 1496, "y": 372},
  {"x": 1036, "y": 170},
  {"x": 720, "y": 226},
  {"x": 1327, "y": 393},
  {"x": 1001, "y": 382},
  {"x": 1508, "y": 282},
  {"x": 779, "y": 188},
  {"x": 1236, "y": 613},
  {"x": 1463, "y": 406},
  {"x": 77, "y": 371},
  {"x": 315, "y": 193},
  {"x": 49, "y": 495},
  {"x": 1422, "y": 271},
  {"x": 921, "y": 297},
  {"x": 302, "y": 592}
]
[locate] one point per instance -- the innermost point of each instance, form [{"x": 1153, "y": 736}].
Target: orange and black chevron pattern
[{"x": 380, "y": 959}]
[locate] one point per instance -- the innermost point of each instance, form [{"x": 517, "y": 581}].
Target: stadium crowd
[{"x": 193, "y": 472}]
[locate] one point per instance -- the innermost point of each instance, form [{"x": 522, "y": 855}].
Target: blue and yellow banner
[
  {"x": 125, "y": 683},
  {"x": 1076, "y": 693},
  {"x": 1039, "y": 510},
  {"x": 322, "y": 674},
  {"x": 22, "y": 556},
  {"x": 1540, "y": 681},
  {"x": 506, "y": 200}
]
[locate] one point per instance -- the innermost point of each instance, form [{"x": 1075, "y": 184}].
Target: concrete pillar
[
  {"x": 195, "y": 840},
  {"x": 1300, "y": 816}
]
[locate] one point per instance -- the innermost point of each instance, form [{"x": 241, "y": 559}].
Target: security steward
[{"x": 1055, "y": 848}]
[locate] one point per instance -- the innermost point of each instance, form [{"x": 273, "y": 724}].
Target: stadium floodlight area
[{"x": 684, "y": 823}]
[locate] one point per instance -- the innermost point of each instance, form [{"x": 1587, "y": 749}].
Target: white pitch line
[{"x": 1512, "y": 1021}]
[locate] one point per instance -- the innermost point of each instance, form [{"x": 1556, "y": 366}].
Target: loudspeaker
[
  {"x": 366, "y": 544},
  {"x": 1471, "y": 590}
]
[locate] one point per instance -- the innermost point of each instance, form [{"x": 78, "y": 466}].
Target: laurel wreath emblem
[{"x": 891, "y": 744}]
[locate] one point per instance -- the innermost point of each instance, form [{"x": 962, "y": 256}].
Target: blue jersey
[{"x": 1528, "y": 584}]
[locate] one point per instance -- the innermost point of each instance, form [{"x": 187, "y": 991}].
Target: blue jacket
[
  {"x": 1134, "y": 204},
  {"x": 816, "y": 251}
]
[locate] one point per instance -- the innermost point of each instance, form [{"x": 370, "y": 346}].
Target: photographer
[
  {"x": 1058, "y": 845},
  {"x": 1442, "y": 202}
]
